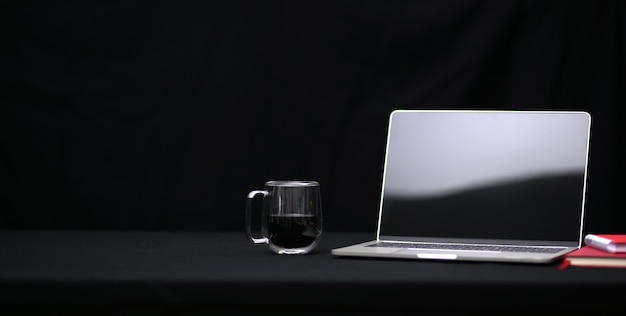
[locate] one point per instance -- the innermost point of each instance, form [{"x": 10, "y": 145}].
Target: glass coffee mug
[{"x": 291, "y": 216}]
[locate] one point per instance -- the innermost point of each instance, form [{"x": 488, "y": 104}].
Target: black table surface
[{"x": 224, "y": 270}]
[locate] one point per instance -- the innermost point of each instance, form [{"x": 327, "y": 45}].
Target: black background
[{"x": 163, "y": 115}]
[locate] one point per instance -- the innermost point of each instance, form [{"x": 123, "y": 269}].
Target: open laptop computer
[{"x": 481, "y": 185}]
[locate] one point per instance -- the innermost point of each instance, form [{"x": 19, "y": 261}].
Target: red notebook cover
[{"x": 588, "y": 251}]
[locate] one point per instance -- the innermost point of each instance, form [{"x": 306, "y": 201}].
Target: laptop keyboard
[{"x": 471, "y": 247}]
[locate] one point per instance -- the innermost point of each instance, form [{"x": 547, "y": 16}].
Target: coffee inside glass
[{"x": 291, "y": 216}]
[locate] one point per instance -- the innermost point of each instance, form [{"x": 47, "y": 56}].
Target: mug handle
[{"x": 249, "y": 199}]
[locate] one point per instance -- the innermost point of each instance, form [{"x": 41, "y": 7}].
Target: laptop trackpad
[
  {"x": 428, "y": 254},
  {"x": 443, "y": 254}
]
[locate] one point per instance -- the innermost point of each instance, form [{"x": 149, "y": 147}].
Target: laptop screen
[{"x": 512, "y": 175}]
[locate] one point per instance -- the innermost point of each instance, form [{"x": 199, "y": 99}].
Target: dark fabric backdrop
[{"x": 165, "y": 114}]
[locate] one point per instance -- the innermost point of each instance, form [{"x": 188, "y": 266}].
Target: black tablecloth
[{"x": 222, "y": 271}]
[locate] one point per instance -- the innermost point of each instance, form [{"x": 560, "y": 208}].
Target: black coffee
[{"x": 293, "y": 231}]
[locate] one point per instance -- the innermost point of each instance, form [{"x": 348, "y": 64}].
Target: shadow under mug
[{"x": 291, "y": 216}]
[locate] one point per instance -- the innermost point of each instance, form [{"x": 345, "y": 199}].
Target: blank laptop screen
[{"x": 485, "y": 175}]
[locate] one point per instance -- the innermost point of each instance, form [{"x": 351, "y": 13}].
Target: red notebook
[{"x": 591, "y": 257}]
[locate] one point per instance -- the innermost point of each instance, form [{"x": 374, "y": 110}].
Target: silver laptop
[{"x": 506, "y": 186}]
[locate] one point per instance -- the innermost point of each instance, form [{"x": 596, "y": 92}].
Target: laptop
[{"x": 481, "y": 185}]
